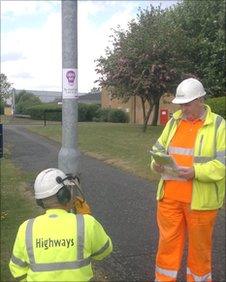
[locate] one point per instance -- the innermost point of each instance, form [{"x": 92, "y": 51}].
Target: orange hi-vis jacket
[
  {"x": 181, "y": 148},
  {"x": 208, "y": 185}
]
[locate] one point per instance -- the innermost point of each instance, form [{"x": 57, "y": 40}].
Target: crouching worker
[{"x": 57, "y": 246}]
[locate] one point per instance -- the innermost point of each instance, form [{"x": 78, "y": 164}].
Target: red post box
[{"x": 164, "y": 116}]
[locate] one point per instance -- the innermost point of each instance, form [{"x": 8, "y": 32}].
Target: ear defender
[
  {"x": 39, "y": 202},
  {"x": 63, "y": 195}
]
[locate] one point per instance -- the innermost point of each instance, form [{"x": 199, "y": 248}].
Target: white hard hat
[
  {"x": 49, "y": 182},
  {"x": 189, "y": 90}
]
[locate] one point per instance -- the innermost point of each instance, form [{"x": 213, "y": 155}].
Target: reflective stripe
[
  {"x": 79, "y": 262},
  {"x": 18, "y": 261},
  {"x": 28, "y": 240},
  {"x": 203, "y": 278},
  {"x": 181, "y": 151},
  {"x": 158, "y": 147},
  {"x": 104, "y": 248},
  {"x": 220, "y": 156},
  {"x": 203, "y": 159},
  {"x": 38, "y": 267},
  {"x": 166, "y": 272},
  {"x": 171, "y": 122},
  {"x": 218, "y": 121},
  {"x": 80, "y": 236}
]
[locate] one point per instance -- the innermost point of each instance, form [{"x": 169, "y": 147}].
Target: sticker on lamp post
[{"x": 70, "y": 83}]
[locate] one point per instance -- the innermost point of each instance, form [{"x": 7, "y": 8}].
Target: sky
[{"x": 31, "y": 45}]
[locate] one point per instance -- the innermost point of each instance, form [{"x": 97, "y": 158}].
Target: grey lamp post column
[{"x": 68, "y": 157}]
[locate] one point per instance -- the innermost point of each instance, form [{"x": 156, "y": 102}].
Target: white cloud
[
  {"x": 20, "y": 8},
  {"x": 37, "y": 48},
  {"x": 40, "y": 51},
  {"x": 92, "y": 42}
]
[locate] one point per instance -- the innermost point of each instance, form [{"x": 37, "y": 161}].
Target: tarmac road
[{"x": 124, "y": 203}]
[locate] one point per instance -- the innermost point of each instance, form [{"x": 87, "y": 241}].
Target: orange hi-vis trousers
[{"x": 176, "y": 221}]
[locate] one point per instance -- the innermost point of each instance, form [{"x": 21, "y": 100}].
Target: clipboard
[
  {"x": 164, "y": 159},
  {"x": 171, "y": 169}
]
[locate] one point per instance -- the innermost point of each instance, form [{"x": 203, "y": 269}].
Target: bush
[
  {"x": 87, "y": 112},
  {"x": 117, "y": 116},
  {"x": 51, "y": 110},
  {"x": 1, "y": 107},
  {"x": 102, "y": 115},
  {"x": 111, "y": 115},
  {"x": 25, "y": 100},
  {"x": 217, "y": 105}
]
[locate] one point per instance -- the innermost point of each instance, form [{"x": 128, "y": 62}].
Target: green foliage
[
  {"x": 52, "y": 111},
  {"x": 161, "y": 48},
  {"x": 86, "y": 112},
  {"x": 111, "y": 115},
  {"x": 203, "y": 25},
  {"x": 17, "y": 205},
  {"x": 102, "y": 115},
  {"x": 25, "y": 100},
  {"x": 2, "y": 105},
  {"x": 5, "y": 86},
  {"x": 118, "y": 116},
  {"x": 218, "y": 105}
]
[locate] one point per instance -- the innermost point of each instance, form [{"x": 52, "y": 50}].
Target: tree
[
  {"x": 203, "y": 24},
  {"x": 24, "y": 100},
  {"x": 161, "y": 48},
  {"x": 143, "y": 60},
  {"x": 5, "y": 87},
  {"x": 94, "y": 90}
]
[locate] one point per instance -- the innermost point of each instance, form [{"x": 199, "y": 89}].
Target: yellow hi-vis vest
[
  {"x": 208, "y": 189},
  {"x": 58, "y": 246}
]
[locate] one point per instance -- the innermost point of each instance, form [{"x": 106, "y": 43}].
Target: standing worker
[
  {"x": 195, "y": 138},
  {"x": 57, "y": 246}
]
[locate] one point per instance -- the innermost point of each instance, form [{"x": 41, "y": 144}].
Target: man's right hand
[
  {"x": 81, "y": 206},
  {"x": 158, "y": 168}
]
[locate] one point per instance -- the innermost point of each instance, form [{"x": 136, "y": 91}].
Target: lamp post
[{"x": 68, "y": 157}]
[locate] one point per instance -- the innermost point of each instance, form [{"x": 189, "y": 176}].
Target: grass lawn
[
  {"x": 17, "y": 205},
  {"x": 123, "y": 145}
]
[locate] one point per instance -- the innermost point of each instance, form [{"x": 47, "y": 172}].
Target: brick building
[{"x": 134, "y": 107}]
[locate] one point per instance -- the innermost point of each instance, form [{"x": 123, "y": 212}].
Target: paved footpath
[{"x": 125, "y": 204}]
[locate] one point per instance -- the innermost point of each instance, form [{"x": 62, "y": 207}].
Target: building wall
[
  {"x": 166, "y": 105},
  {"x": 133, "y": 107},
  {"x": 8, "y": 111}
]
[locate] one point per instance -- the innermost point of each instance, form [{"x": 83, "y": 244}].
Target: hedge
[
  {"x": 86, "y": 112},
  {"x": 111, "y": 115},
  {"x": 52, "y": 111},
  {"x": 217, "y": 105},
  {"x": 1, "y": 107}
]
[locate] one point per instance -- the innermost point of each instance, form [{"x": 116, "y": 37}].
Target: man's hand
[
  {"x": 81, "y": 206},
  {"x": 187, "y": 173},
  {"x": 158, "y": 168}
]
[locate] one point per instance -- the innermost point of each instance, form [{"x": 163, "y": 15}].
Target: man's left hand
[{"x": 187, "y": 173}]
